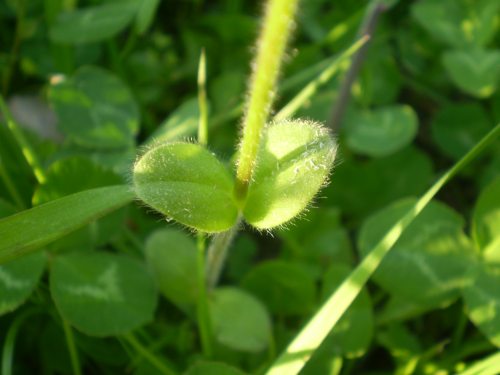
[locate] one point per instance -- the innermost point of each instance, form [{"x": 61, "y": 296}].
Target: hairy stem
[
  {"x": 274, "y": 35},
  {"x": 278, "y": 21}
]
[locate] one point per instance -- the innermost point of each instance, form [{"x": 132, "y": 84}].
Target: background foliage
[{"x": 94, "y": 83}]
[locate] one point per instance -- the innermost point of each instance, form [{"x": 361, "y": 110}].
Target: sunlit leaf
[
  {"x": 294, "y": 161},
  {"x": 430, "y": 261},
  {"x": 486, "y": 217}
]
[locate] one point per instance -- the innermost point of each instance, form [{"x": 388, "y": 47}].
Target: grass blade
[
  {"x": 487, "y": 366},
  {"x": 305, "y": 94},
  {"x": 28, "y": 230},
  {"x": 312, "y": 335}
]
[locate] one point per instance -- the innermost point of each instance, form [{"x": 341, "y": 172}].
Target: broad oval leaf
[
  {"x": 457, "y": 128},
  {"x": 171, "y": 255},
  {"x": 239, "y": 320},
  {"x": 293, "y": 163},
  {"x": 95, "y": 109},
  {"x": 186, "y": 182},
  {"x": 474, "y": 71},
  {"x": 18, "y": 279},
  {"x": 381, "y": 132},
  {"x": 102, "y": 294},
  {"x": 429, "y": 262},
  {"x": 486, "y": 217},
  {"x": 145, "y": 15},
  {"x": 285, "y": 288},
  {"x": 93, "y": 24},
  {"x": 364, "y": 186}
]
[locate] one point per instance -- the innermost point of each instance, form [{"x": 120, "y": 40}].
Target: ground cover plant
[{"x": 239, "y": 187}]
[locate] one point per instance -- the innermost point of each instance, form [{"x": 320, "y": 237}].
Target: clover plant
[{"x": 129, "y": 246}]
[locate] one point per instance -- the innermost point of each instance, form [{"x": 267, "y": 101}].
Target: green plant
[{"x": 422, "y": 97}]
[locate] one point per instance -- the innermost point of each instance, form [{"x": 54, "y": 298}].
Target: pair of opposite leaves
[{"x": 187, "y": 183}]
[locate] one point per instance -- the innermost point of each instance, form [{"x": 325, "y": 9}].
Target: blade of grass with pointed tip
[
  {"x": 31, "y": 229},
  {"x": 312, "y": 335},
  {"x": 487, "y": 366}
]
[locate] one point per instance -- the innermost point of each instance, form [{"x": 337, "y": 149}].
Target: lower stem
[
  {"x": 217, "y": 254},
  {"x": 202, "y": 307}
]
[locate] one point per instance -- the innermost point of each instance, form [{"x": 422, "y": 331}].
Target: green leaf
[
  {"x": 482, "y": 299},
  {"x": 379, "y": 81},
  {"x": 239, "y": 320},
  {"x": 381, "y": 132},
  {"x": 187, "y": 183},
  {"x": 362, "y": 186},
  {"x": 293, "y": 163},
  {"x": 458, "y": 127},
  {"x": 403, "y": 345},
  {"x": 486, "y": 216},
  {"x": 28, "y": 230},
  {"x": 474, "y": 71},
  {"x": 18, "y": 279},
  {"x": 212, "y": 368},
  {"x": 102, "y": 294},
  {"x": 430, "y": 261},
  {"x": 72, "y": 175},
  {"x": 93, "y": 24},
  {"x": 490, "y": 365},
  {"x": 6, "y": 208},
  {"x": 145, "y": 15},
  {"x": 353, "y": 334},
  {"x": 244, "y": 250},
  {"x": 297, "y": 353},
  {"x": 319, "y": 239},
  {"x": 491, "y": 253},
  {"x": 399, "y": 308},
  {"x": 285, "y": 288},
  {"x": 95, "y": 109},
  {"x": 458, "y": 23},
  {"x": 183, "y": 122},
  {"x": 226, "y": 90},
  {"x": 171, "y": 255}
]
